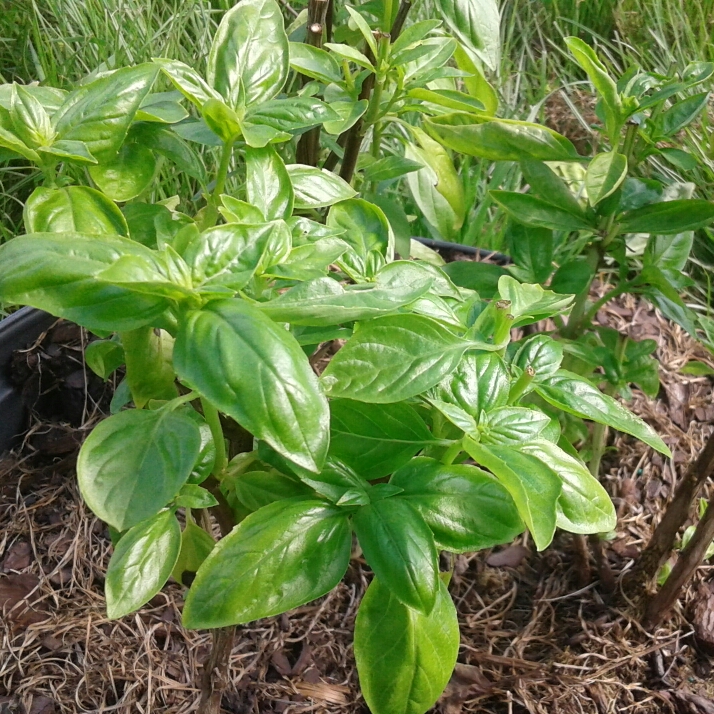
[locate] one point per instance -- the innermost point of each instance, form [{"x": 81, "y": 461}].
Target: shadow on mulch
[{"x": 532, "y": 640}]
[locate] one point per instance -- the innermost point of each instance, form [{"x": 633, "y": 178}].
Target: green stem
[
  {"x": 220, "y": 186},
  {"x": 451, "y": 453},
  {"x": 521, "y": 384},
  {"x": 593, "y": 311},
  {"x": 629, "y": 141},
  {"x": 213, "y": 420}
]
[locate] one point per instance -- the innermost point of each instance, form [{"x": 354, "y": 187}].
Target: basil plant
[{"x": 429, "y": 430}]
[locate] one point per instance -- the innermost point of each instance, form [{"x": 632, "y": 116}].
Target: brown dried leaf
[
  {"x": 510, "y": 557},
  {"x": 14, "y": 591},
  {"x": 18, "y": 556}
]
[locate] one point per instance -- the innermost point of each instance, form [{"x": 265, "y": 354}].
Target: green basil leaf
[
  {"x": 235, "y": 211},
  {"x": 390, "y": 167},
  {"x": 127, "y": 174},
  {"x": 349, "y": 112},
  {"x": 142, "y": 218},
  {"x": 142, "y": 563},
  {"x": 500, "y": 139},
  {"x": 192, "y": 495},
  {"x": 535, "y": 489},
  {"x": 476, "y": 24},
  {"x": 222, "y": 120},
  {"x": 187, "y": 81},
  {"x": 603, "y": 83},
  {"x": 668, "y": 217},
  {"x": 376, "y": 440},
  {"x": 574, "y": 395},
  {"x": 481, "y": 277},
  {"x": 315, "y": 63},
  {"x": 404, "y": 658},
  {"x": 103, "y": 357},
  {"x": 73, "y": 150},
  {"x": 9, "y": 141},
  {"x": 203, "y": 467},
  {"x": 338, "y": 483},
  {"x": 512, "y": 425},
  {"x": 248, "y": 61},
  {"x": 100, "y": 113},
  {"x": 466, "y": 508},
  {"x": 683, "y": 113},
  {"x": 605, "y": 174},
  {"x": 449, "y": 98},
  {"x": 399, "y": 548},
  {"x": 350, "y": 54},
  {"x": 532, "y": 252},
  {"x": 669, "y": 252},
  {"x": 323, "y": 301},
  {"x": 162, "y": 108},
  {"x": 542, "y": 353},
  {"x": 311, "y": 261},
  {"x": 49, "y": 97},
  {"x": 230, "y": 254},
  {"x": 317, "y": 188},
  {"x": 531, "y": 303},
  {"x": 532, "y": 211},
  {"x": 365, "y": 228},
  {"x": 459, "y": 417},
  {"x": 57, "y": 272},
  {"x": 393, "y": 358},
  {"x": 135, "y": 462},
  {"x": 479, "y": 384},
  {"x": 196, "y": 546},
  {"x": 164, "y": 141},
  {"x": 256, "y": 489},
  {"x": 292, "y": 114},
  {"x": 277, "y": 559},
  {"x": 583, "y": 506},
  {"x": 573, "y": 277},
  {"x": 149, "y": 369},
  {"x": 30, "y": 121},
  {"x": 254, "y": 371},
  {"x": 268, "y": 184},
  {"x": 548, "y": 186},
  {"x": 73, "y": 209}
]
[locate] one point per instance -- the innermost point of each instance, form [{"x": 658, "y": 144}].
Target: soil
[{"x": 533, "y": 639}]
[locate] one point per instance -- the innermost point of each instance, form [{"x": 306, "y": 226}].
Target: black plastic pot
[{"x": 17, "y": 332}]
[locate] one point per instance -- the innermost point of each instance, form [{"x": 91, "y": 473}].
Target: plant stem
[
  {"x": 676, "y": 514},
  {"x": 214, "y": 422},
  {"x": 521, "y": 384},
  {"x": 404, "y": 7},
  {"x": 451, "y": 453},
  {"x": 216, "y": 678},
  {"x": 211, "y": 214},
  {"x": 689, "y": 560},
  {"x": 308, "y": 148}
]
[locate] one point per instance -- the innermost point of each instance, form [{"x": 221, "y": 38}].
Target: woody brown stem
[
  {"x": 308, "y": 148},
  {"x": 662, "y": 541},
  {"x": 216, "y": 675},
  {"x": 689, "y": 560}
]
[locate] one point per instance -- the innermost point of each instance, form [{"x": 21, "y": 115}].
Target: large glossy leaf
[
  {"x": 100, "y": 113},
  {"x": 683, "y": 113},
  {"x": 583, "y": 506},
  {"x": 315, "y": 63},
  {"x": 149, "y": 369},
  {"x": 466, "y": 508},
  {"x": 187, "y": 81},
  {"x": 127, "y": 174},
  {"x": 393, "y": 358},
  {"x": 324, "y": 301},
  {"x": 256, "y": 489},
  {"x": 479, "y": 383},
  {"x": 57, "y": 272},
  {"x": 376, "y": 440},
  {"x": 293, "y": 113},
  {"x": 268, "y": 185},
  {"x": 399, "y": 547},
  {"x": 547, "y": 185},
  {"x": 605, "y": 174},
  {"x": 476, "y": 24},
  {"x": 669, "y": 252},
  {"x": 229, "y": 255},
  {"x": 164, "y": 141},
  {"x": 74, "y": 209},
  {"x": 404, "y": 658},
  {"x": 278, "y": 558},
  {"x": 531, "y": 303},
  {"x": 248, "y": 62},
  {"x": 135, "y": 462},
  {"x": 574, "y": 395},
  {"x": 30, "y": 120},
  {"x": 501, "y": 139},
  {"x": 512, "y": 425},
  {"x": 542, "y": 353},
  {"x": 669, "y": 217},
  {"x": 255, "y": 371},
  {"x": 532, "y": 211},
  {"x": 142, "y": 563},
  {"x": 534, "y": 487},
  {"x": 317, "y": 188}
]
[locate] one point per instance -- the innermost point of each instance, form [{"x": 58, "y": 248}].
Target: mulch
[{"x": 532, "y": 638}]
